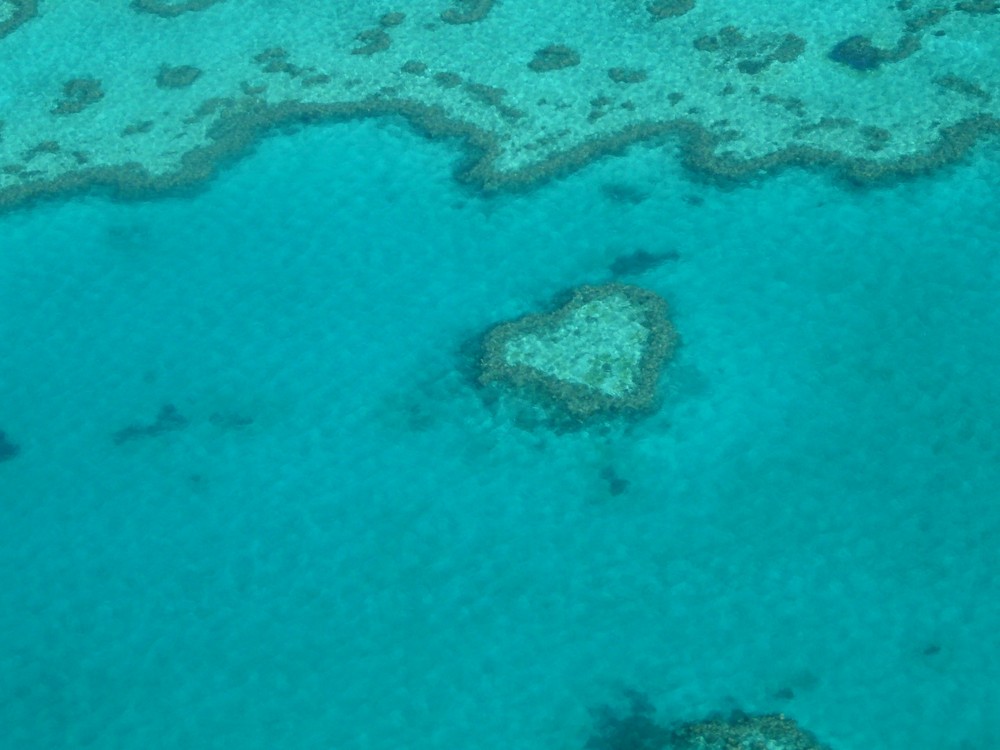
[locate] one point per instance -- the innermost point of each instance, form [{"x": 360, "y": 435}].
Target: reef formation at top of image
[{"x": 893, "y": 92}]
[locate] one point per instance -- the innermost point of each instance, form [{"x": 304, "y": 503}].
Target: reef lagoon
[{"x": 289, "y": 296}]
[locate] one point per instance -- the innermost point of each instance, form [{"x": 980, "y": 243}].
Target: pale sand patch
[{"x": 599, "y": 345}]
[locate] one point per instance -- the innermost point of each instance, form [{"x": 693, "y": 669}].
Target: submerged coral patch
[
  {"x": 13, "y": 13},
  {"x": 858, "y": 52},
  {"x": 178, "y": 77},
  {"x": 601, "y": 352},
  {"x": 168, "y": 419},
  {"x": 372, "y": 41},
  {"x": 627, "y": 75},
  {"x": 963, "y": 86},
  {"x": 554, "y": 57},
  {"x": 168, "y": 9},
  {"x": 8, "y": 448},
  {"x": 750, "y": 55},
  {"x": 979, "y": 6},
  {"x": 414, "y": 67},
  {"x": 467, "y": 11},
  {"x": 640, "y": 262},
  {"x": 388, "y": 20},
  {"x": 660, "y": 9},
  {"x": 77, "y": 95}
]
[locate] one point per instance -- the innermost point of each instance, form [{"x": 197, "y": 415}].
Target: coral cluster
[{"x": 599, "y": 353}]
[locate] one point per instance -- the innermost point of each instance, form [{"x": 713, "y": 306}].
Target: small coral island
[{"x": 600, "y": 353}]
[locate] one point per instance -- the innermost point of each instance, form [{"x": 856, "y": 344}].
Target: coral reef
[
  {"x": 168, "y": 9},
  {"x": 78, "y": 94},
  {"x": 554, "y": 57},
  {"x": 168, "y": 419},
  {"x": 600, "y": 353},
  {"x": 751, "y": 55},
  {"x": 467, "y": 11},
  {"x": 744, "y": 732},
  {"x": 178, "y": 77},
  {"x": 660, "y": 9},
  {"x": 735, "y": 95},
  {"x": 13, "y": 13},
  {"x": 636, "y": 728},
  {"x": 859, "y": 53}
]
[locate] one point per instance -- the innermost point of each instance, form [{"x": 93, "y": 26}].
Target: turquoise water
[{"x": 340, "y": 546}]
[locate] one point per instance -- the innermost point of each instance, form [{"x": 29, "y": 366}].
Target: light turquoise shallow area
[{"x": 378, "y": 561}]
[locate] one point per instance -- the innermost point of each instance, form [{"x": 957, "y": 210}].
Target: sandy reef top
[
  {"x": 598, "y": 344},
  {"x": 146, "y": 95}
]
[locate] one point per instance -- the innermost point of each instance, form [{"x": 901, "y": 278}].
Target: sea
[{"x": 252, "y": 496}]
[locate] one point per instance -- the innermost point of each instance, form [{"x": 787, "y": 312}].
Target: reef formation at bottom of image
[
  {"x": 600, "y": 353},
  {"x": 637, "y": 729},
  {"x": 744, "y": 732}
]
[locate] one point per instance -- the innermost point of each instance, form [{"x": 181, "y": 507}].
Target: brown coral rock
[
  {"x": 373, "y": 41},
  {"x": 178, "y": 77},
  {"x": 78, "y": 94},
  {"x": 467, "y": 11},
  {"x": 554, "y": 57},
  {"x": 660, "y": 9}
]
